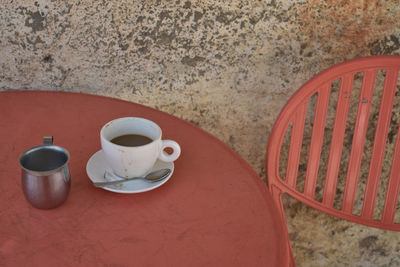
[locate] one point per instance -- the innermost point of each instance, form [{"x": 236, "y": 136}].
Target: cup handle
[
  {"x": 48, "y": 140},
  {"x": 164, "y": 156}
]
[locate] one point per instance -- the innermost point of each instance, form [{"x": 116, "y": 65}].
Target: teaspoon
[{"x": 151, "y": 177}]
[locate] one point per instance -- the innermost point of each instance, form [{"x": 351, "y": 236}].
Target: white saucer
[{"x": 97, "y": 165}]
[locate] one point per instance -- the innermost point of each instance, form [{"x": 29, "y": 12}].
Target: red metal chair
[{"x": 293, "y": 116}]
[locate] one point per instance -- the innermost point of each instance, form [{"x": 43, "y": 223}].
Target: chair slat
[
  {"x": 296, "y": 142},
  {"x": 378, "y": 151},
  {"x": 336, "y": 146},
  {"x": 357, "y": 147},
  {"x": 392, "y": 192},
  {"x": 316, "y": 140}
]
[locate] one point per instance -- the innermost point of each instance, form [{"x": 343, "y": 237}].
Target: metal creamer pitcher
[{"x": 46, "y": 179}]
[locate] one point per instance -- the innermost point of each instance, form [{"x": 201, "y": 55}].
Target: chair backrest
[{"x": 323, "y": 164}]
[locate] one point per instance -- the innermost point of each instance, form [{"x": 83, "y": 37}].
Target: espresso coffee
[{"x": 131, "y": 140}]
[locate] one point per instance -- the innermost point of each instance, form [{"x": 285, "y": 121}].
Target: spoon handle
[
  {"x": 151, "y": 177},
  {"x": 102, "y": 184}
]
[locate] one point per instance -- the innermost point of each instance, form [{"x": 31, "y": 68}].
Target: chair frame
[{"x": 294, "y": 114}]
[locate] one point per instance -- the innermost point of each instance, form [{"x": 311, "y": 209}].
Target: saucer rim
[{"x": 130, "y": 191}]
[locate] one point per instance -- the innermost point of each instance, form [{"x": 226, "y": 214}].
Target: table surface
[{"x": 214, "y": 211}]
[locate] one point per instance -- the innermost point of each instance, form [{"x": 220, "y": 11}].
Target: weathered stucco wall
[{"x": 226, "y": 66}]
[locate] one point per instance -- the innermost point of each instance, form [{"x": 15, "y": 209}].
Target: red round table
[{"x": 214, "y": 211}]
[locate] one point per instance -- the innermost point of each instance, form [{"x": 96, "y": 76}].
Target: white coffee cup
[{"x": 135, "y": 161}]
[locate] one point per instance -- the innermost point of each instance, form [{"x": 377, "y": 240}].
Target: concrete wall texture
[{"x": 226, "y": 66}]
